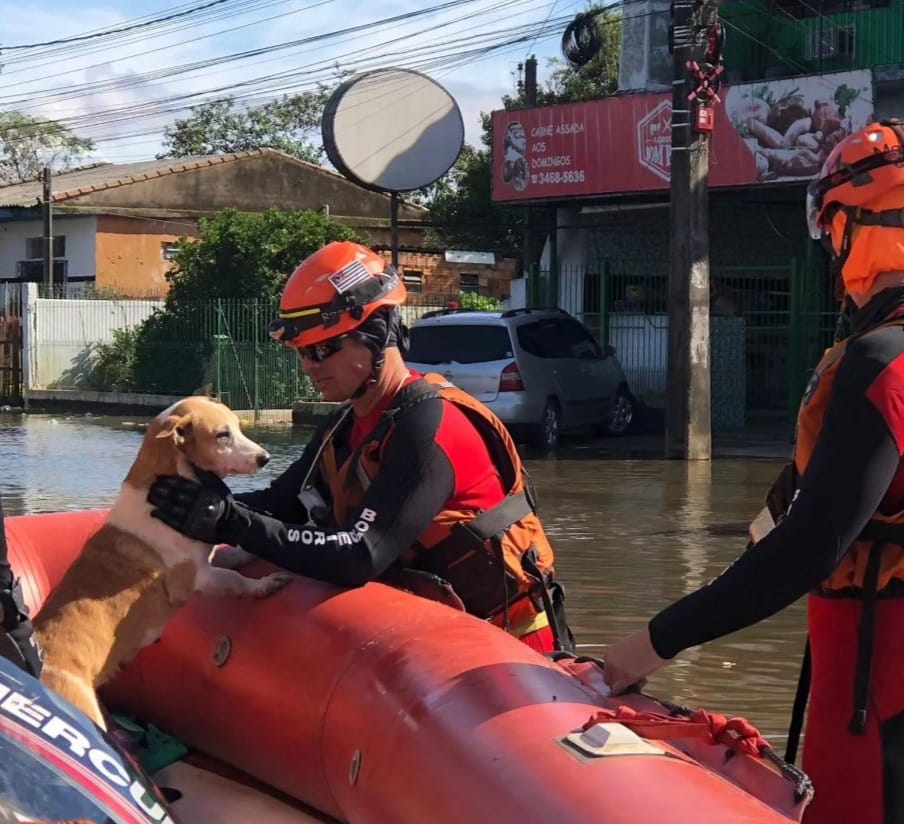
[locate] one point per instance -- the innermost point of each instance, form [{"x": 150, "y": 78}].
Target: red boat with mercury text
[{"x": 377, "y": 705}]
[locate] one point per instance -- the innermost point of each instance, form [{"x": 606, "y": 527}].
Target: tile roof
[{"x": 101, "y": 176}]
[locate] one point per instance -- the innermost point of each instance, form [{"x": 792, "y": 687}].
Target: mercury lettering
[{"x": 55, "y": 728}]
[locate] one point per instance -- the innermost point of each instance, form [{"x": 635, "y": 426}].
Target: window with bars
[
  {"x": 469, "y": 283},
  {"x": 413, "y": 280}
]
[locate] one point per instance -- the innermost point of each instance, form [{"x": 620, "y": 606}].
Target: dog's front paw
[
  {"x": 271, "y": 583},
  {"x": 229, "y": 557}
]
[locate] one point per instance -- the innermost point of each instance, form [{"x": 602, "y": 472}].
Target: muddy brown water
[{"x": 630, "y": 536}]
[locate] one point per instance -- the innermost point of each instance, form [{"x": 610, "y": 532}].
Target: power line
[
  {"x": 108, "y": 32},
  {"x": 27, "y": 61},
  {"x": 424, "y": 58},
  {"x": 256, "y": 86},
  {"x": 442, "y": 58},
  {"x": 106, "y": 85}
]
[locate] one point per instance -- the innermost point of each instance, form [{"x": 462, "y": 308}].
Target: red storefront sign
[{"x": 778, "y": 131}]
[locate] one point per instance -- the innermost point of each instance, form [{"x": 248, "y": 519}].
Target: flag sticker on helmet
[{"x": 349, "y": 276}]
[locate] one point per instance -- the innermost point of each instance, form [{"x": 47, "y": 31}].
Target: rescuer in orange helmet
[
  {"x": 834, "y": 522},
  {"x": 411, "y": 480}
]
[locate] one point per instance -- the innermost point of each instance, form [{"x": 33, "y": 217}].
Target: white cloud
[{"x": 126, "y": 108}]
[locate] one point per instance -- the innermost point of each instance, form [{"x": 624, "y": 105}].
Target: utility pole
[
  {"x": 48, "y": 231},
  {"x": 688, "y": 404},
  {"x": 530, "y": 99}
]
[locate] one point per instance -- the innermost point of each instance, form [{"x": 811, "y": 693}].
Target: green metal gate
[{"x": 768, "y": 327}]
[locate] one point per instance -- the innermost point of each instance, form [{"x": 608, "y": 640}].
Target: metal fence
[
  {"x": 145, "y": 347},
  {"x": 768, "y": 327}
]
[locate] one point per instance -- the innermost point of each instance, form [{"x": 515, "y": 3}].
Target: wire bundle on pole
[{"x": 581, "y": 41}]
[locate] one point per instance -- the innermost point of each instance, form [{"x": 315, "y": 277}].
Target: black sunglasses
[{"x": 319, "y": 352}]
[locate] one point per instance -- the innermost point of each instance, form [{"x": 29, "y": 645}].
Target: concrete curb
[
  {"x": 100, "y": 402},
  {"x": 310, "y": 413},
  {"x": 138, "y": 404}
]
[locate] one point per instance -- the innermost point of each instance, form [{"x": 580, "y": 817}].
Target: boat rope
[{"x": 738, "y": 734}]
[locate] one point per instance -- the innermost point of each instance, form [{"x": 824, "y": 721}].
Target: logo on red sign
[{"x": 654, "y": 140}]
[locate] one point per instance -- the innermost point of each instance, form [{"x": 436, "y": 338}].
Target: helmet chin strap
[
  {"x": 836, "y": 267},
  {"x": 379, "y": 358}
]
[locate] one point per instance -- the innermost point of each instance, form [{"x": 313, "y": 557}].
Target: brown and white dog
[{"x": 135, "y": 572}]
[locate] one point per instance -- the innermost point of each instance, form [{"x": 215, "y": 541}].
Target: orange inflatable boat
[{"x": 376, "y": 705}]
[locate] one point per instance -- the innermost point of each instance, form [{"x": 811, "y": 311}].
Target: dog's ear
[
  {"x": 205, "y": 391},
  {"x": 177, "y": 427}
]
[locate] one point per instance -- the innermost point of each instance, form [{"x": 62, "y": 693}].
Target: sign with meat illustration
[
  {"x": 791, "y": 126},
  {"x": 765, "y": 132}
]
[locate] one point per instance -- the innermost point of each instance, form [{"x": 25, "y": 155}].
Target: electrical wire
[
  {"x": 241, "y": 7},
  {"x": 325, "y": 68},
  {"x": 443, "y": 59},
  {"x": 9, "y": 68},
  {"x": 32, "y": 102}
]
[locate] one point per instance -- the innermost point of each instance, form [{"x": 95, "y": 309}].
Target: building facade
[
  {"x": 116, "y": 226},
  {"x": 800, "y": 76}
]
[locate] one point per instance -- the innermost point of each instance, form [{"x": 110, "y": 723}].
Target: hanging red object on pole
[{"x": 705, "y": 119}]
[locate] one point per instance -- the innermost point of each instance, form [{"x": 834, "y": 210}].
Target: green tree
[
  {"x": 225, "y": 283},
  {"x": 461, "y": 210},
  {"x": 290, "y": 123},
  {"x": 470, "y": 300},
  {"x": 247, "y": 256},
  {"x": 28, "y": 144}
]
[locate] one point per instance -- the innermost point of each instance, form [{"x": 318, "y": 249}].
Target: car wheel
[
  {"x": 547, "y": 436},
  {"x": 622, "y": 414}
]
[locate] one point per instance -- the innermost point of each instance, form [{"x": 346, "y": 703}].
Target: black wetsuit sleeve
[
  {"x": 6, "y": 573},
  {"x": 854, "y": 460},
  {"x": 280, "y": 499},
  {"x": 415, "y": 481}
]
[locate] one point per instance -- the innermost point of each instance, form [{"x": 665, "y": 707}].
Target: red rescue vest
[{"x": 490, "y": 558}]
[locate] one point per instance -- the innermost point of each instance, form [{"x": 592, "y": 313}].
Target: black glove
[
  {"x": 781, "y": 493},
  {"x": 203, "y": 510},
  {"x": 17, "y": 641}
]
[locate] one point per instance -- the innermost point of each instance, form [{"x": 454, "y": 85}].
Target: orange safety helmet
[
  {"x": 848, "y": 202},
  {"x": 332, "y": 292}
]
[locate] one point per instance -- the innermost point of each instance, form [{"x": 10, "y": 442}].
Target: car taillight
[{"x": 510, "y": 379}]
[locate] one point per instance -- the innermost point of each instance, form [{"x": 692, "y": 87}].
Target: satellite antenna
[{"x": 392, "y": 131}]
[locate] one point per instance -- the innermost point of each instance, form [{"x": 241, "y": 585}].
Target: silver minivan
[{"x": 539, "y": 370}]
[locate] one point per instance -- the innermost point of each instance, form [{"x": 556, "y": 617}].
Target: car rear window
[{"x": 465, "y": 343}]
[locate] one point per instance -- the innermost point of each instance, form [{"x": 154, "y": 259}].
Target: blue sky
[{"x": 122, "y": 90}]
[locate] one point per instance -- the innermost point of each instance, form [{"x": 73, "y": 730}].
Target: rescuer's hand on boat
[{"x": 630, "y": 660}]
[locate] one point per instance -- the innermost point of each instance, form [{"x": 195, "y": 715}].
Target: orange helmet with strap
[
  {"x": 856, "y": 198},
  {"x": 332, "y": 292}
]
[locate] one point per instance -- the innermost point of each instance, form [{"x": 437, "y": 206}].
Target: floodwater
[{"x": 630, "y": 536}]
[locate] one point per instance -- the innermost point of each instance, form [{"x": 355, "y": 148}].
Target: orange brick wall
[
  {"x": 129, "y": 260},
  {"x": 130, "y": 253},
  {"x": 444, "y": 278}
]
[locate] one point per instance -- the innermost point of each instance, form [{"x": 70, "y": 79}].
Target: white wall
[
  {"x": 571, "y": 253},
  {"x": 59, "y": 336},
  {"x": 644, "y": 62},
  {"x": 80, "y": 235}
]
